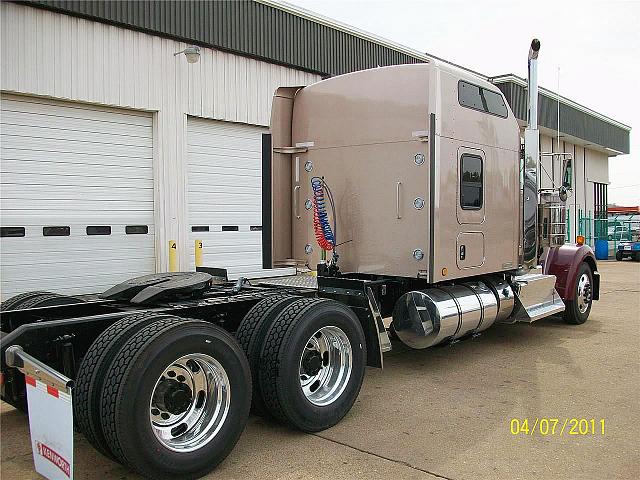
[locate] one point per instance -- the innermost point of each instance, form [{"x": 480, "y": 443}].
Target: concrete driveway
[{"x": 446, "y": 412}]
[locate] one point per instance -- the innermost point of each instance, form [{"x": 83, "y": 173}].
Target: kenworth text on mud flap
[{"x": 400, "y": 192}]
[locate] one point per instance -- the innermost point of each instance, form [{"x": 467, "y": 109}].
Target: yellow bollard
[
  {"x": 198, "y": 248},
  {"x": 173, "y": 256}
]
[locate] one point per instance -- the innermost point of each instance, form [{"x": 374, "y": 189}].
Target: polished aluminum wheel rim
[
  {"x": 190, "y": 402},
  {"x": 325, "y": 365},
  {"x": 583, "y": 297}
]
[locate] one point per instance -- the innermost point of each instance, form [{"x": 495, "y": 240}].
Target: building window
[
  {"x": 58, "y": 231},
  {"x": 12, "y": 232},
  {"x": 600, "y": 209},
  {"x": 99, "y": 230},
  {"x": 478, "y": 98},
  {"x": 470, "y": 182},
  {"x": 136, "y": 229}
]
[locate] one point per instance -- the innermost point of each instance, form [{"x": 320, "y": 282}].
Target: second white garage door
[
  {"x": 77, "y": 196},
  {"x": 225, "y": 194}
]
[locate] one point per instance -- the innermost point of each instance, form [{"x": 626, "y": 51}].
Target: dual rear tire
[
  {"x": 307, "y": 360},
  {"x": 169, "y": 397},
  {"x": 166, "y": 396}
]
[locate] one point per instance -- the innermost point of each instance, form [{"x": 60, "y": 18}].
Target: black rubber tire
[
  {"x": 45, "y": 299},
  {"x": 91, "y": 374},
  {"x": 130, "y": 382},
  {"x": 619, "y": 256},
  {"x": 280, "y": 363},
  {"x": 636, "y": 256},
  {"x": 27, "y": 300},
  {"x": 250, "y": 336},
  {"x": 572, "y": 314},
  {"x": 14, "y": 302}
]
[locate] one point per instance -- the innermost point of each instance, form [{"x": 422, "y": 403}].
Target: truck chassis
[
  {"x": 90, "y": 345},
  {"x": 177, "y": 360}
]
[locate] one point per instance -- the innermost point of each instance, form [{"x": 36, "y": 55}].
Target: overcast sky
[{"x": 596, "y": 44}]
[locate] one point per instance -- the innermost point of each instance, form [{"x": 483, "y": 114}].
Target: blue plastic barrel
[{"x": 602, "y": 250}]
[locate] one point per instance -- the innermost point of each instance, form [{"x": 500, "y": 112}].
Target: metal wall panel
[
  {"x": 66, "y": 57},
  {"x": 572, "y": 121},
  {"x": 247, "y": 27}
]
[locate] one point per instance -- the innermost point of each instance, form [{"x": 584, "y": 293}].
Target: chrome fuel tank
[{"x": 423, "y": 318}]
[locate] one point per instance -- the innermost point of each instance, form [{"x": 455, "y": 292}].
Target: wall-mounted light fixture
[{"x": 192, "y": 53}]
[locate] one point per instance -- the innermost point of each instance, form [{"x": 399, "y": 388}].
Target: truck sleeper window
[
  {"x": 470, "y": 182},
  {"x": 478, "y": 98}
]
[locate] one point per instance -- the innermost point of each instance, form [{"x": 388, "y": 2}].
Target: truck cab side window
[
  {"x": 479, "y": 98},
  {"x": 469, "y": 96},
  {"x": 495, "y": 103},
  {"x": 471, "y": 182}
]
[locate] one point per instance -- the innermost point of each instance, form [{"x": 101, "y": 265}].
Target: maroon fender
[{"x": 564, "y": 261}]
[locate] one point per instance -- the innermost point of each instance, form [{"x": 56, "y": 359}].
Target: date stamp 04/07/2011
[{"x": 557, "y": 426}]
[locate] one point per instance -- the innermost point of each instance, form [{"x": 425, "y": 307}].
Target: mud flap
[
  {"x": 51, "y": 427},
  {"x": 50, "y": 414}
]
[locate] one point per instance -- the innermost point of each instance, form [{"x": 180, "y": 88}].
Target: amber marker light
[{"x": 580, "y": 240}]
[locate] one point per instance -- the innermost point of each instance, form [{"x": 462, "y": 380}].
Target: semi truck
[{"x": 412, "y": 211}]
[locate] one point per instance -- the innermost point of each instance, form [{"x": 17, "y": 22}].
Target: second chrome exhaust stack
[{"x": 531, "y": 156}]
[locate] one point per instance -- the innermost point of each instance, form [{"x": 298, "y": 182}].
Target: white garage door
[
  {"x": 225, "y": 194},
  {"x": 77, "y": 196}
]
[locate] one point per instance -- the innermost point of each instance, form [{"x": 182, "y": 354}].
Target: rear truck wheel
[
  {"x": 93, "y": 369},
  {"x": 250, "y": 336},
  {"x": 577, "y": 310},
  {"x": 312, "y": 365},
  {"x": 636, "y": 256},
  {"x": 176, "y": 398},
  {"x": 14, "y": 302},
  {"x": 36, "y": 299}
]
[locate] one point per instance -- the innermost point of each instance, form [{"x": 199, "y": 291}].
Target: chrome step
[{"x": 536, "y": 297}]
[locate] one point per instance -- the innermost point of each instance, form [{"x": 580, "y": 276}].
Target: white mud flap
[
  {"x": 50, "y": 414},
  {"x": 51, "y": 426}
]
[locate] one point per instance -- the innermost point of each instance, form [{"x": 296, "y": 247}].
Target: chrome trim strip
[{"x": 16, "y": 357}]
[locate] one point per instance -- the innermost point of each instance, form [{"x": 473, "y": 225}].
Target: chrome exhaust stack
[
  {"x": 532, "y": 81},
  {"x": 531, "y": 158},
  {"x": 544, "y": 210}
]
